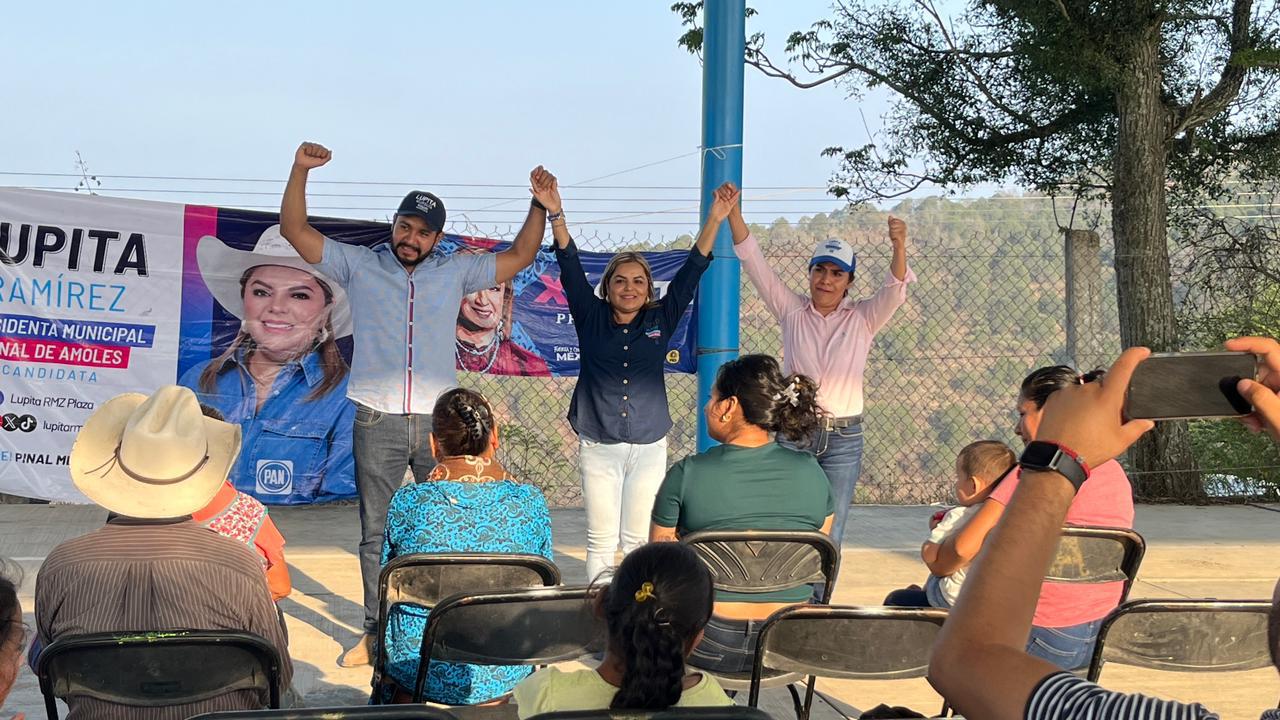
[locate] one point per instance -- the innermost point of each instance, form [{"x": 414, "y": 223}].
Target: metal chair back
[{"x": 158, "y": 669}]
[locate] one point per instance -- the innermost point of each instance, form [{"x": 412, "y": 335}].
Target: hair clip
[
  {"x": 645, "y": 593},
  {"x": 791, "y": 393}
]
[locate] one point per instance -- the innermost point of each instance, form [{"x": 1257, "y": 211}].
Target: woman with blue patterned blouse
[{"x": 468, "y": 503}]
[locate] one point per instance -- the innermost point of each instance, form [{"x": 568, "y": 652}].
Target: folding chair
[
  {"x": 424, "y": 579},
  {"x": 1185, "y": 636},
  {"x": 730, "y": 712},
  {"x": 529, "y": 627},
  {"x": 1098, "y": 555},
  {"x": 158, "y": 669},
  {"x": 371, "y": 712},
  {"x": 762, "y": 561},
  {"x": 851, "y": 643}
]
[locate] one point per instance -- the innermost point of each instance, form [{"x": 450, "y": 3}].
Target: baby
[{"x": 979, "y": 466}]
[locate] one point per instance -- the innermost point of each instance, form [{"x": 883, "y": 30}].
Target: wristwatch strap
[{"x": 1060, "y": 459}]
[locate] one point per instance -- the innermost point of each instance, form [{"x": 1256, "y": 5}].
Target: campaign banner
[
  {"x": 88, "y": 288},
  {"x": 100, "y": 296}
]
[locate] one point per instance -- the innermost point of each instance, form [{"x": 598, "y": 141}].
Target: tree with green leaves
[{"x": 1143, "y": 103}]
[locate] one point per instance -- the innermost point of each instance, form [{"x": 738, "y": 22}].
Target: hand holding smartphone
[{"x": 1186, "y": 386}]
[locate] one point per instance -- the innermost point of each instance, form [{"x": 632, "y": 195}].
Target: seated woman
[
  {"x": 1068, "y": 615},
  {"x": 655, "y": 608},
  {"x": 468, "y": 503},
  {"x": 749, "y": 482}
]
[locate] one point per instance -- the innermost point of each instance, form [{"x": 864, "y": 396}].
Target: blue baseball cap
[{"x": 837, "y": 252}]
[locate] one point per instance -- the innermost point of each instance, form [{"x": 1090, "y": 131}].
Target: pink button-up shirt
[{"x": 831, "y": 349}]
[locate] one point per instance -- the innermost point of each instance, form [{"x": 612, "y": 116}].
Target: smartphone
[{"x": 1184, "y": 386}]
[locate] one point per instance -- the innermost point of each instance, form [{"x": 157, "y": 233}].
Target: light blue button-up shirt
[{"x": 405, "y": 322}]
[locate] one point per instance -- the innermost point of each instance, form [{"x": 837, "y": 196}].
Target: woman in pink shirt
[
  {"x": 826, "y": 336},
  {"x": 1067, "y": 615}
]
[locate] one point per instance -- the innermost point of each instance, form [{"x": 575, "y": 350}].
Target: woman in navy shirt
[{"x": 619, "y": 406}]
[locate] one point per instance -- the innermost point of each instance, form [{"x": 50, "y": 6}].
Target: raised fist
[
  {"x": 311, "y": 155},
  {"x": 897, "y": 230}
]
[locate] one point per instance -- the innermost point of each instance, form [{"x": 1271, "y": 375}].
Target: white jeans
[{"x": 619, "y": 482}]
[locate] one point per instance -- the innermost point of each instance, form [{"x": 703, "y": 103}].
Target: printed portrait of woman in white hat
[{"x": 282, "y": 378}]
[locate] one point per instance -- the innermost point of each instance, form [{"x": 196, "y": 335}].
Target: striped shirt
[
  {"x": 145, "y": 576},
  {"x": 1063, "y": 696},
  {"x": 405, "y": 321}
]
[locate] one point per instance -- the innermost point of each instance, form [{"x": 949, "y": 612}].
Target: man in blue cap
[{"x": 404, "y": 300}]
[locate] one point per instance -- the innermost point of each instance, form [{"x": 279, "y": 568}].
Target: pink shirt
[
  {"x": 1105, "y": 500},
  {"x": 831, "y": 349}
]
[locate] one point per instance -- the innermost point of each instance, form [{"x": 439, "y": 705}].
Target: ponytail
[
  {"x": 787, "y": 406},
  {"x": 659, "y": 600},
  {"x": 795, "y": 410}
]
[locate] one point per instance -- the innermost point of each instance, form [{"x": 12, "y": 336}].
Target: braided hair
[
  {"x": 462, "y": 422},
  {"x": 659, "y": 600}
]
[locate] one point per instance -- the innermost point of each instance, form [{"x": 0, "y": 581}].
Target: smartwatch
[{"x": 1055, "y": 458}]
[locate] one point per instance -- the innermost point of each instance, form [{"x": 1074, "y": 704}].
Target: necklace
[{"x": 490, "y": 349}]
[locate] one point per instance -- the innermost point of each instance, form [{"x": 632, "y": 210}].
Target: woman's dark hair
[
  {"x": 331, "y": 361},
  {"x": 1039, "y": 385},
  {"x": 462, "y": 422},
  {"x": 659, "y": 600},
  {"x": 785, "y": 405}
]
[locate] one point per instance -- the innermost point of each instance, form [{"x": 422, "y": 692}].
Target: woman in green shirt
[{"x": 748, "y": 482}]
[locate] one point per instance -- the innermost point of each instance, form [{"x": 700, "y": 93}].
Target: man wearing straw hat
[
  {"x": 404, "y": 301},
  {"x": 151, "y": 462}
]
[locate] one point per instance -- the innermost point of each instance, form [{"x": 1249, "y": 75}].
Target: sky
[{"x": 437, "y": 94}]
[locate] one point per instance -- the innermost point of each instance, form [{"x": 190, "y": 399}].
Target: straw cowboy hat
[
  {"x": 153, "y": 457},
  {"x": 222, "y": 267}
]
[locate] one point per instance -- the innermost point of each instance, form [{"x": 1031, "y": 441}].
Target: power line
[
  {"x": 277, "y": 181},
  {"x": 275, "y": 193}
]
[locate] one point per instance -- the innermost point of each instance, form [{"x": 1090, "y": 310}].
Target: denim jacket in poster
[{"x": 294, "y": 450}]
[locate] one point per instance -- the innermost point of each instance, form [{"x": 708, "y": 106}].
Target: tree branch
[
  {"x": 1203, "y": 109},
  {"x": 929, "y": 9}
]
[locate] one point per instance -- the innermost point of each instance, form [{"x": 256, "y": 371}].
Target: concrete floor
[{"x": 1221, "y": 552}]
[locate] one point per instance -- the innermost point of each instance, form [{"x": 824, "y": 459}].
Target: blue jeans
[
  {"x": 839, "y": 452},
  {"x": 619, "y": 482},
  {"x": 384, "y": 445},
  {"x": 1069, "y": 648},
  {"x": 728, "y": 646}
]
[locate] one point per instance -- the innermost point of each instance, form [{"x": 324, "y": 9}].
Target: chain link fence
[{"x": 990, "y": 304}]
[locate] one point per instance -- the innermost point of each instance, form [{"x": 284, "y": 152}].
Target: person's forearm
[
  {"x": 707, "y": 236},
  {"x": 660, "y": 533},
  {"x": 986, "y": 632},
  {"x": 1010, "y": 569},
  {"x": 524, "y": 248},
  {"x": 929, "y": 554},
  {"x": 529, "y": 239},
  {"x": 738, "y": 226},
  {"x": 560, "y": 231},
  {"x": 899, "y": 264},
  {"x": 293, "y": 207}
]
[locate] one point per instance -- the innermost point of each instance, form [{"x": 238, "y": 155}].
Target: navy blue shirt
[{"x": 621, "y": 396}]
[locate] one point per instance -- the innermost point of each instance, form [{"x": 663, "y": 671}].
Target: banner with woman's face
[{"x": 101, "y": 295}]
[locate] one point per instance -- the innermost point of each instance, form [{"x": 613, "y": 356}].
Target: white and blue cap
[{"x": 837, "y": 252}]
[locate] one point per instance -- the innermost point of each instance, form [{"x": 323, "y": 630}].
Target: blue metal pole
[{"x": 723, "y": 45}]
